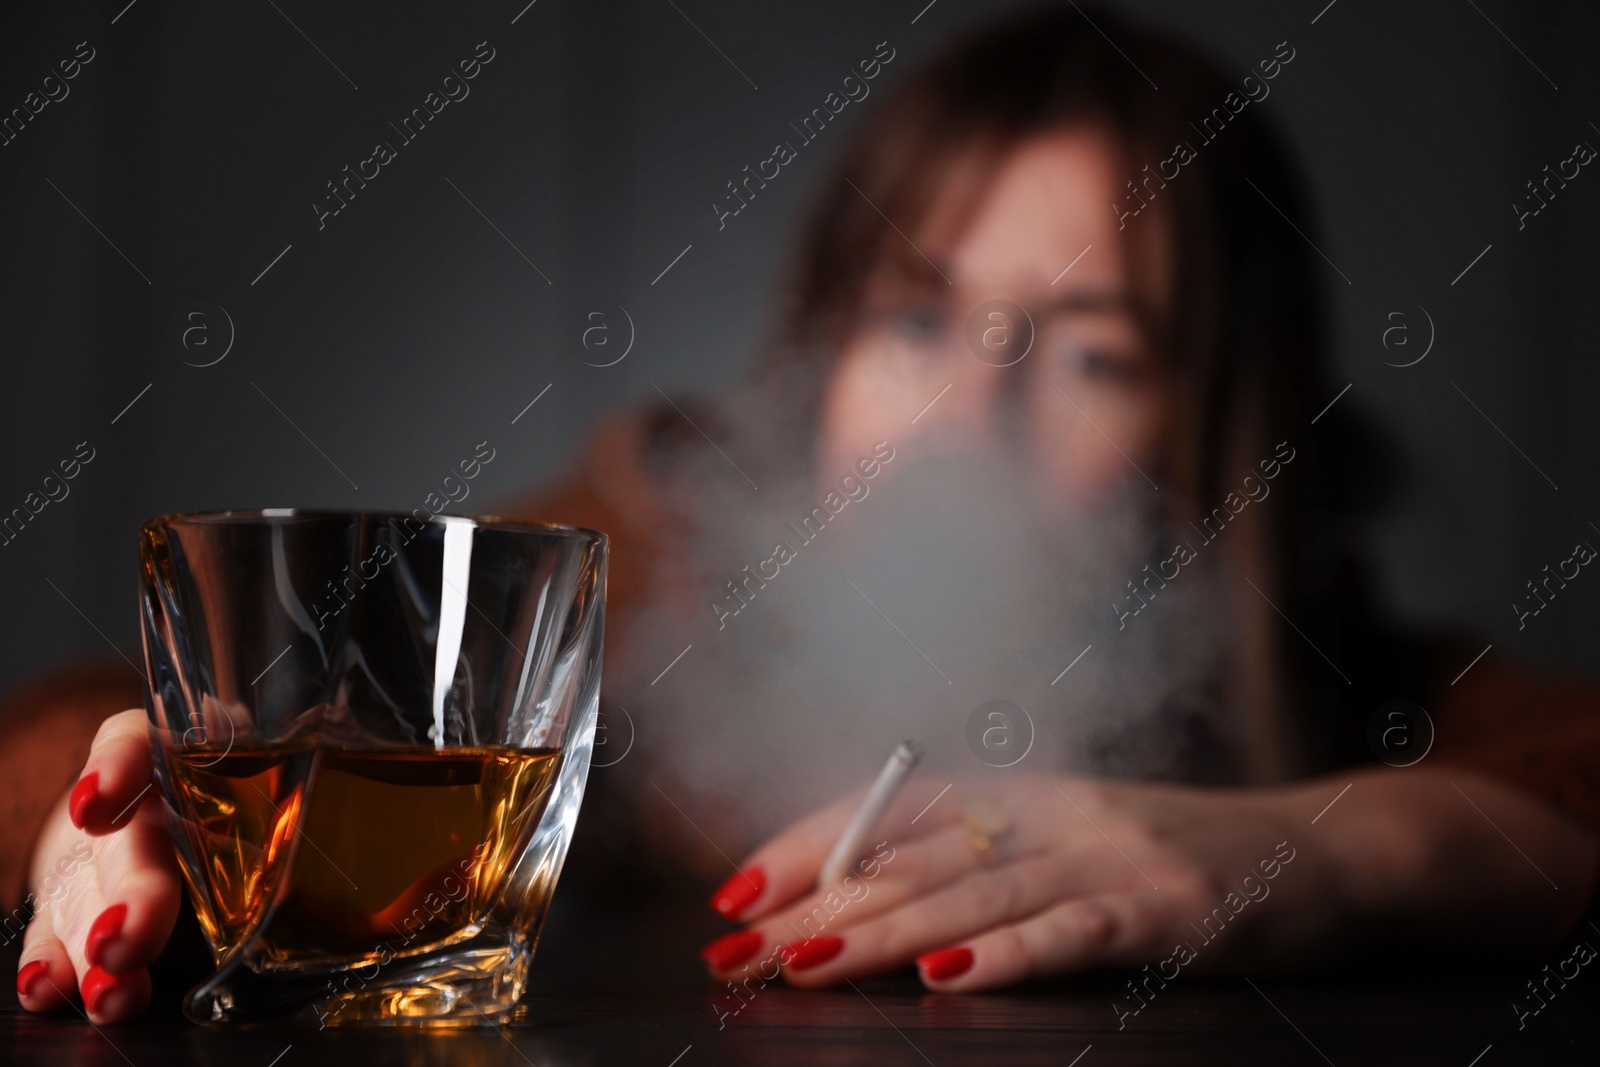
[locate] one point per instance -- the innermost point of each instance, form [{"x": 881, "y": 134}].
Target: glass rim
[{"x": 273, "y": 516}]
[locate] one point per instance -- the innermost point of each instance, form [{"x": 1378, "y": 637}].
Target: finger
[
  {"x": 139, "y": 886},
  {"x": 45, "y": 978},
  {"x": 1114, "y": 929},
  {"x": 936, "y": 860},
  {"x": 116, "y": 775},
  {"x": 109, "y": 998},
  {"x": 902, "y": 873},
  {"x": 78, "y": 919},
  {"x": 52, "y": 971},
  {"x": 959, "y": 911},
  {"x": 787, "y": 865}
]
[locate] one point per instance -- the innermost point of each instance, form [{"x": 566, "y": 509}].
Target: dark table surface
[{"x": 629, "y": 990}]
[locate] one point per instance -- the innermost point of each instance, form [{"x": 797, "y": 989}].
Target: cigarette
[{"x": 902, "y": 761}]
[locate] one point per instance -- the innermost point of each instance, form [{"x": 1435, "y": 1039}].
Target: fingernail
[
  {"x": 83, "y": 794},
  {"x": 739, "y": 892},
  {"x": 726, "y": 953},
  {"x": 105, "y": 929},
  {"x": 946, "y": 963},
  {"x": 812, "y": 952},
  {"x": 96, "y": 984},
  {"x": 29, "y": 977}
]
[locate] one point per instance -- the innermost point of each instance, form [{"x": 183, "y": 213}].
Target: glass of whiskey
[{"x": 372, "y": 734}]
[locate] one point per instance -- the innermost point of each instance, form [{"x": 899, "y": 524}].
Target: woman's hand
[
  {"x": 1004, "y": 880},
  {"x": 104, "y": 882}
]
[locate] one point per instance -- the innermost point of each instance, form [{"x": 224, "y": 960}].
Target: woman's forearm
[{"x": 1430, "y": 854}]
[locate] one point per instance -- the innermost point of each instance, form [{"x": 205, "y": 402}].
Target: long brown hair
[{"x": 1246, "y": 330}]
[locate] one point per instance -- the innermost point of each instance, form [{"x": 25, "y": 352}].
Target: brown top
[
  {"x": 1538, "y": 731},
  {"x": 45, "y": 730}
]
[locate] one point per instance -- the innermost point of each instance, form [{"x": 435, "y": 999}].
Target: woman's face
[{"x": 1084, "y": 406}]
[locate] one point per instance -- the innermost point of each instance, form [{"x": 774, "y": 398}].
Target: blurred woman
[{"x": 1176, "y": 364}]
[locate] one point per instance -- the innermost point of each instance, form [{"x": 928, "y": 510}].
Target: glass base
[{"x": 473, "y": 984}]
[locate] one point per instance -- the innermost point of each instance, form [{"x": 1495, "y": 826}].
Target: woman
[{"x": 1175, "y": 314}]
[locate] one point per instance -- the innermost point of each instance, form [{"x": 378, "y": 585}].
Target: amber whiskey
[{"x": 311, "y": 855}]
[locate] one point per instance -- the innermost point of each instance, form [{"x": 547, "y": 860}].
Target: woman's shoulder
[{"x": 628, "y": 483}]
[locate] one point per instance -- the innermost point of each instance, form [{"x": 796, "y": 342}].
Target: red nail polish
[
  {"x": 83, "y": 794},
  {"x": 97, "y": 982},
  {"x": 29, "y": 977},
  {"x": 739, "y": 892},
  {"x": 105, "y": 929},
  {"x": 812, "y": 952},
  {"x": 946, "y": 963},
  {"x": 726, "y": 953}
]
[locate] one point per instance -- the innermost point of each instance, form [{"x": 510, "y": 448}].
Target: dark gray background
[{"x": 408, "y": 330}]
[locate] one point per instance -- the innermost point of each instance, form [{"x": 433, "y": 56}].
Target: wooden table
[{"x": 630, "y": 991}]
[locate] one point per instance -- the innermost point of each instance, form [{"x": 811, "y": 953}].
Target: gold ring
[{"x": 984, "y": 826}]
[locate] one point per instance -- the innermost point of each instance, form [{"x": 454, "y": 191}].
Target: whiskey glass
[{"x": 372, "y": 733}]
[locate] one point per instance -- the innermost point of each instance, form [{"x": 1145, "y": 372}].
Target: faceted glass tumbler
[{"x": 372, "y": 734}]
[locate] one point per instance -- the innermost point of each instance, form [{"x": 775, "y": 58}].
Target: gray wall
[{"x": 408, "y": 329}]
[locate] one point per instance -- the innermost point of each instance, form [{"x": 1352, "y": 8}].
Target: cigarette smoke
[{"x": 980, "y": 588}]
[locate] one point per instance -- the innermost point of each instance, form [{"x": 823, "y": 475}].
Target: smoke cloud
[{"x": 947, "y": 580}]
